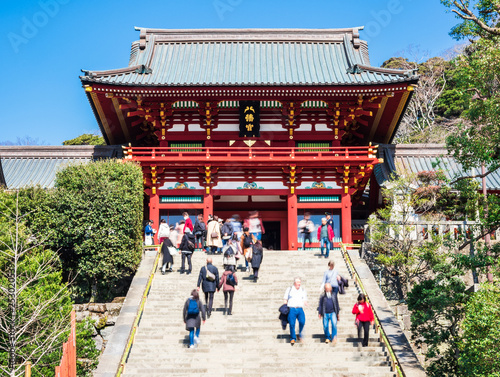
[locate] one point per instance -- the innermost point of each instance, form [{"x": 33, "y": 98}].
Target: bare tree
[
  {"x": 34, "y": 303},
  {"x": 420, "y": 115}
]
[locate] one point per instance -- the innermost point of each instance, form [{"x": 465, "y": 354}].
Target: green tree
[
  {"x": 95, "y": 213},
  {"x": 87, "y": 353},
  {"x": 100, "y": 210},
  {"x": 34, "y": 302},
  {"x": 86, "y": 139},
  {"x": 479, "y": 18},
  {"x": 437, "y": 307},
  {"x": 480, "y": 334},
  {"x": 394, "y": 236}
]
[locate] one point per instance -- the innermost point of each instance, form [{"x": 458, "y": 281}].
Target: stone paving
[{"x": 251, "y": 341}]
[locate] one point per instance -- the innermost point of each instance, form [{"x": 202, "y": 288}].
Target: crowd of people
[
  {"x": 239, "y": 241},
  {"x": 325, "y": 233}
]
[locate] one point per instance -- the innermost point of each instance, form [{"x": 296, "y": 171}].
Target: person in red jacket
[
  {"x": 364, "y": 318},
  {"x": 325, "y": 236},
  {"x": 188, "y": 223}
]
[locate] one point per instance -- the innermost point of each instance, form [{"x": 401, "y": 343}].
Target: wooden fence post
[{"x": 27, "y": 369}]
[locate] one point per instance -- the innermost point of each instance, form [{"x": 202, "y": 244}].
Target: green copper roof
[
  {"x": 25, "y": 166},
  {"x": 415, "y": 158},
  {"x": 220, "y": 57}
]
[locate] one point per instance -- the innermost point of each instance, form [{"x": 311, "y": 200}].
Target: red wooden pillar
[
  {"x": 154, "y": 210},
  {"x": 346, "y": 218},
  {"x": 208, "y": 206},
  {"x": 292, "y": 222}
]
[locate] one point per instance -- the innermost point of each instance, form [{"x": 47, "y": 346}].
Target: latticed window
[
  {"x": 187, "y": 145},
  {"x": 312, "y": 147}
]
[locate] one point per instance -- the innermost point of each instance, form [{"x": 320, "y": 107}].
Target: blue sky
[{"x": 46, "y": 43}]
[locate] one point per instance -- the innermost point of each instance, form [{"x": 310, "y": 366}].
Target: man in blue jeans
[
  {"x": 332, "y": 277},
  {"x": 328, "y": 309},
  {"x": 296, "y": 298},
  {"x": 325, "y": 236}
]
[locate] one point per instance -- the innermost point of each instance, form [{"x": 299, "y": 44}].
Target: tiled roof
[
  {"x": 248, "y": 57},
  {"x": 415, "y": 158},
  {"x": 28, "y": 166}
]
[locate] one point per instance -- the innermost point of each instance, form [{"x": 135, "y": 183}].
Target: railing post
[
  {"x": 27, "y": 369},
  {"x": 72, "y": 346}
]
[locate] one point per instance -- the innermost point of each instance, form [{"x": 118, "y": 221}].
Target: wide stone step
[{"x": 251, "y": 341}]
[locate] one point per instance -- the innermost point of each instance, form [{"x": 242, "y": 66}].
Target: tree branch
[
  {"x": 491, "y": 230},
  {"x": 473, "y": 176},
  {"x": 466, "y": 14}
]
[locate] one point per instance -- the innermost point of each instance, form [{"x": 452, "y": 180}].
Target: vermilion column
[
  {"x": 208, "y": 206},
  {"x": 292, "y": 222},
  {"x": 154, "y": 210},
  {"x": 346, "y": 218}
]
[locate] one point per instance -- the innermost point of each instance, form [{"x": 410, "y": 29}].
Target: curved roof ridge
[{"x": 251, "y": 34}]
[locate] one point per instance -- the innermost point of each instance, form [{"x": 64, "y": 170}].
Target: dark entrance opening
[{"x": 271, "y": 238}]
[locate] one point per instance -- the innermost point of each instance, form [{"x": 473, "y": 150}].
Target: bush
[
  {"x": 481, "y": 331},
  {"x": 94, "y": 217},
  {"x": 87, "y": 353}
]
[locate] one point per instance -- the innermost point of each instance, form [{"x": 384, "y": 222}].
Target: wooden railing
[
  {"x": 378, "y": 326},
  {"x": 225, "y": 153},
  {"x": 67, "y": 367}
]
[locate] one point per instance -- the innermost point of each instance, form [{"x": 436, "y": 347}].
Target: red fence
[
  {"x": 67, "y": 367},
  {"x": 270, "y": 153}
]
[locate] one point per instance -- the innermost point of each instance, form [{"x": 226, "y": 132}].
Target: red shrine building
[{"x": 283, "y": 121}]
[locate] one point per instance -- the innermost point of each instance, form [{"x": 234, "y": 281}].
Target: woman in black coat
[
  {"x": 257, "y": 256},
  {"x": 193, "y": 321},
  {"x": 167, "y": 257}
]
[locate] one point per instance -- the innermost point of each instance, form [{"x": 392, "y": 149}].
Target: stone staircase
[{"x": 251, "y": 341}]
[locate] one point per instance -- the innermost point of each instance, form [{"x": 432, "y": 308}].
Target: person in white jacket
[{"x": 163, "y": 231}]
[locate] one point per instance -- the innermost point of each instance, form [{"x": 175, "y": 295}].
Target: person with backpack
[
  {"x": 187, "y": 248},
  {"x": 209, "y": 282},
  {"x": 257, "y": 256},
  {"x": 229, "y": 253},
  {"x": 228, "y": 283},
  {"x": 194, "y": 314},
  {"x": 200, "y": 231},
  {"x": 247, "y": 240},
  {"x": 332, "y": 277}
]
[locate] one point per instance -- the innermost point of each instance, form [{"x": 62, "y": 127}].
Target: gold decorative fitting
[{"x": 88, "y": 88}]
